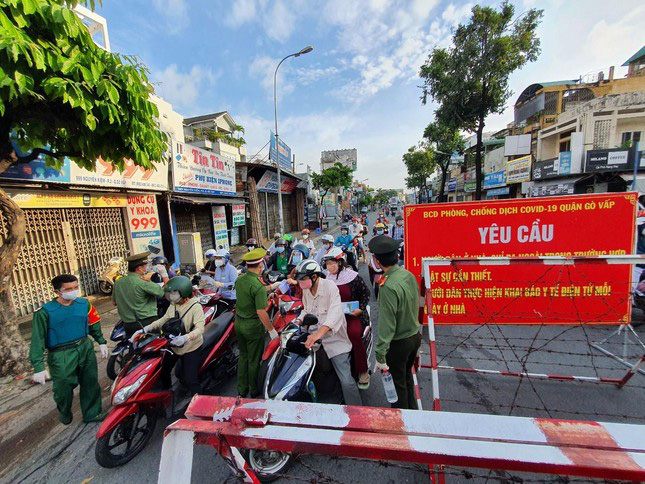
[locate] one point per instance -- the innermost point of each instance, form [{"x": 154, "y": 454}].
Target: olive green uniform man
[
  {"x": 398, "y": 326},
  {"x": 251, "y": 322},
  {"x": 62, "y": 326},
  {"x": 135, "y": 297}
]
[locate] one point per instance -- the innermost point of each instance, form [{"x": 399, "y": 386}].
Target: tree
[
  {"x": 62, "y": 96},
  {"x": 381, "y": 197},
  {"x": 421, "y": 164},
  {"x": 334, "y": 177},
  {"x": 445, "y": 140},
  {"x": 365, "y": 200},
  {"x": 470, "y": 79}
]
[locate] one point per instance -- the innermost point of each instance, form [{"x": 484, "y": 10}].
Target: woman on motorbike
[
  {"x": 225, "y": 276},
  {"x": 306, "y": 241},
  {"x": 352, "y": 288},
  {"x": 321, "y": 298},
  {"x": 279, "y": 261},
  {"x": 186, "y": 345}
]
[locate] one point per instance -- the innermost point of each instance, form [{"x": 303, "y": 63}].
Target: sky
[{"x": 359, "y": 88}]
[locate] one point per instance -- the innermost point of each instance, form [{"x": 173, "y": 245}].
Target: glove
[
  {"x": 40, "y": 377},
  {"x": 273, "y": 334},
  {"x": 179, "y": 340},
  {"x": 382, "y": 366},
  {"x": 104, "y": 351}
]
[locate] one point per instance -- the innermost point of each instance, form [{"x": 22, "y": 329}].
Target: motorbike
[
  {"x": 110, "y": 274},
  {"x": 138, "y": 400},
  {"x": 297, "y": 374}
]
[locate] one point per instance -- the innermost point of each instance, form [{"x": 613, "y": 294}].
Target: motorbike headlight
[
  {"x": 124, "y": 393},
  {"x": 203, "y": 300}
]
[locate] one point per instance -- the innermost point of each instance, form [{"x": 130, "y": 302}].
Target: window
[
  {"x": 565, "y": 145},
  {"x": 629, "y": 138}
]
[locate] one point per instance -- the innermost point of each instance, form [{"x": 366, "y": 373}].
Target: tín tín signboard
[{"x": 585, "y": 225}]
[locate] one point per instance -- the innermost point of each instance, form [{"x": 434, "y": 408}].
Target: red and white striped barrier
[
  {"x": 429, "y": 262},
  {"x": 546, "y": 446}
]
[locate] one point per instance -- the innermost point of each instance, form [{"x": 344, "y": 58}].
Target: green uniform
[
  {"x": 249, "y": 331},
  {"x": 136, "y": 299},
  {"x": 398, "y": 331},
  {"x": 71, "y": 363}
]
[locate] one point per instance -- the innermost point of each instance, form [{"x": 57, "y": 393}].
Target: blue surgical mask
[
  {"x": 380, "y": 232},
  {"x": 280, "y": 249}
]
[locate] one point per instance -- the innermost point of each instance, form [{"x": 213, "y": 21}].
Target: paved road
[{"x": 72, "y": 459}]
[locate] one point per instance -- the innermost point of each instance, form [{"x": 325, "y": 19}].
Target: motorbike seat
[{"x": 215, "y": 329}]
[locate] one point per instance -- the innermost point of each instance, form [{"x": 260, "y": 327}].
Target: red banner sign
[{"x": 585, "y": 225}]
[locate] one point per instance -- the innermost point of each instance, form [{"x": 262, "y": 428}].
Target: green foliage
[
  {"x": 470, "y": 79},
  {"x": 421, "y": 164},
  {"x": 62, "y": 95},
  {"x": 336, "y": 176},
  {"x": 365, "y": 200},
  {"x": 445, "y": 139},
  {"x": 382, "y": 197}
]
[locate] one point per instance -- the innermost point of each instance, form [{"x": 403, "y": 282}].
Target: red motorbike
[{"x": 137, "y": 399}]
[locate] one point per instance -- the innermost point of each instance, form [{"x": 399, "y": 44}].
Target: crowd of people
[{"x": 324, "y": 276}]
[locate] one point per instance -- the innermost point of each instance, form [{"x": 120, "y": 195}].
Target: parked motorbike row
[{"x": 288, "y": 371}]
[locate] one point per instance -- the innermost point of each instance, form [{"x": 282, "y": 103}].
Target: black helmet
[
  {"x": 160, "y": 259},
  {"x": 181, "y": 284},
  {"x": 252, "y": 242},
  {"x": 344, "y": 227},
  {"x": 307, "y": 267}
]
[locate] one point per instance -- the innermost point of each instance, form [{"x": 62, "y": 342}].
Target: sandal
[{"x": 363, "y": 381}]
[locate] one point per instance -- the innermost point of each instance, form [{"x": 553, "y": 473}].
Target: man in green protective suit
[{"x": 62, "y": 326}]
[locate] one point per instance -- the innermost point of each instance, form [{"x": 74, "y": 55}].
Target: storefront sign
[
  {"x": 470, "y": 186},
  {"x": 563, "y": 188},
  {"x": 269, "y": 183},
  {"x": 546, "y": 169},
  {"x": 518, "y": 170},
  {"x": 574, "y": 225},
  {"x": 239, "y": 215},
  {"x": 284, "y": 152},
  {"x": 198, "y": 171},
  {"x": 618, "y": 159},
  {"x": 219, "y": 226},
  {"x": 49, "y": 199},
  {"x": 452, "y": 185},
  {"x": 235, "y": 236},
  {"x": 494, "y": 180},
  {"x": 143, "y": 220},
  {"x": 496, "y": 192},
  {"x": 105, "y": 175},
  {"x": 565, "y": 163}
]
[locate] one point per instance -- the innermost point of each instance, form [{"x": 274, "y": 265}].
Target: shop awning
[
  {"x": 207, "y": 200},
  {"x": 640, "y": 182},
  {"x": 559, "y": 186}
]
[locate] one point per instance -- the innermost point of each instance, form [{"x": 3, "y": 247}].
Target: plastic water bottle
[{"x": 388, "y": 385}]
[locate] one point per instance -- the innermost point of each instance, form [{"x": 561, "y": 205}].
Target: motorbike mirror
[{"x": 309, "y": 320}]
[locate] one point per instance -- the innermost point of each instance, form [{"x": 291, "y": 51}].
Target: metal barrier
[{"x": 539, "y": 445}]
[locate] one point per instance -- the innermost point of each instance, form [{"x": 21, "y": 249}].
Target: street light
[{"x": 306, "y": 50}]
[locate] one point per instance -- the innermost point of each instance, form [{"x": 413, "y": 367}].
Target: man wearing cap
[
  {"x": 251, "y": 322},
  {"x": 135, "y": 297},
  {"x": 398, "y": 329}
]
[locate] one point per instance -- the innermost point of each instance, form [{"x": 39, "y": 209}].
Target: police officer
[
  {"x": 398, "y": 329},
  {"x": 251, "y": 322},
  {"x": 62, "y": 326},
  {"x": 135, "y": 297}
]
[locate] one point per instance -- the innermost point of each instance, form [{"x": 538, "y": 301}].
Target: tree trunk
[
  {"x": 13, "y": 349},
  {"x": 478, "y": 158},
  {"x": 444, "y": 175}
]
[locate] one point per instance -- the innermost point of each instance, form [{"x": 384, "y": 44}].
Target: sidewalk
[{"x": 28, "y": 415}]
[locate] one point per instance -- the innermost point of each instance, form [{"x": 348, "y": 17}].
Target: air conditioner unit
[{"x": 191, "y": 256}]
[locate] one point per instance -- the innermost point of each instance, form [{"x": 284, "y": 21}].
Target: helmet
[
  {"x": 380, "y": 225},
  {"x": 210, "y": 253},
  {"x": 251, "y": 241},
  {"x": 280, "y": 241},
  {"x": 344, "y": 227},
  {"x": 277, "y": 235},
  {"x": 225, "y": 254},
  {"x": 354, "y": 219},
  {"x": 335, "y": 253},
  {"x": 181, "y": 284},
  {"x": 303, "y": 249},
  {"x": 398, "y": 217},
  {"x": 307, "y": 267},
  {"x": 160, "y": 259},
  {"x": 287, "y": 237},
  {"x": 328, "y": 238},
  {"x": 306, "y": 231}
]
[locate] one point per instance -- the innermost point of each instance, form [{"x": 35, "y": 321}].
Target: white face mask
[
  {"x": 70, "y": 295},
  {"x": 173, "y": 296},
  {"x": 219, "y": 263},
  {"x": 305, "y": 236},
  {"x": 325, "y": 246}
]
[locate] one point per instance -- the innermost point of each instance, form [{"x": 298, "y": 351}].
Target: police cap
[
  {"x": 254, "y": 256},
  {"x": 138, "y": 257},
  {"x": 382, "y": 244}
]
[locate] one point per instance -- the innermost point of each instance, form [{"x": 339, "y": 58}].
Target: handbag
[{"x": 175, "y": 326}]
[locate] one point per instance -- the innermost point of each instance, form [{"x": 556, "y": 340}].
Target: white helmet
[
  {"x": 307, "y": 267},
  {"x": 223, "y": 253},
  {"x": 328, "y": 238},
  {"x": 335, "y": 253},
  {"x": 210, "y": 253}
]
